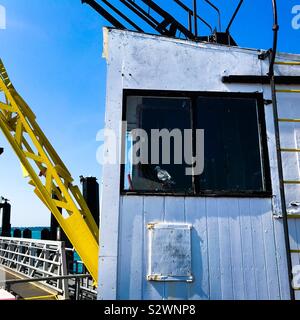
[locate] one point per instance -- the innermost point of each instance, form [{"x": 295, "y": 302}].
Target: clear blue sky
[{"x": 52, "y": 50}]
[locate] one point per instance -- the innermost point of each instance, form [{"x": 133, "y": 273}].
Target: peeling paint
[{"x": 105, "y": 53}]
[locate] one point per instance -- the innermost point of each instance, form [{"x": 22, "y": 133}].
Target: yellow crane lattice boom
[{"x": 48, "y": 174}]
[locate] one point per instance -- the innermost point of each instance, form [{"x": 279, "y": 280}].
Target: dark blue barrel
[
  {"x": 27, "y": 234},
  {"x": 45, "y": 234},
  {"x": 17, "y": 233}
]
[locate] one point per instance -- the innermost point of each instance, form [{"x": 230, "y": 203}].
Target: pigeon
[
  {"x": 294, "y": 208},
  {"x": 163, "y": 175}
]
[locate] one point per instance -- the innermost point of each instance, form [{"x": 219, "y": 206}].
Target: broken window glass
[
  {"x": 154, "y": 144},
  {"x": 235, "y": 155}
]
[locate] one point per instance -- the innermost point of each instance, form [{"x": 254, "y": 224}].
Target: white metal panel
[
  {"x": 284, "y": 107},
  {"x": 213, "y": 249},
  {"x": 199, "y": 67},
  {"x": 195, "y": 212},
  {"x": 281, "y": 259},
  {"x": 269, "y": 248},
  {"x": 259, "y": 250},
  {"x": 154, "y": 208},
  {"x": 170, "y": 252},
  {"x": 110, "y": 196},
  {"x": 293, "y": 236},
  {"x": 130, "y": 263},
  {"x": 253, "y": 256},
  {"x": 107, "y": 288},
  {"x": 297, "y": 295},
  {"x": 175, "y": 212},
  {"x": 232, "y": 209},
  {"x": 225, "y": 250},
  {"x": 247, "y": 249},
  {"x": 195, "y": 69}
]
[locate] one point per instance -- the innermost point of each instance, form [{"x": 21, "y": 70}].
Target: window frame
[{"x": 193, "y": 95}]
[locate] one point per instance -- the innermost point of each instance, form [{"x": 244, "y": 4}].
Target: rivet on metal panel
[{"x": 150, "y": 226}]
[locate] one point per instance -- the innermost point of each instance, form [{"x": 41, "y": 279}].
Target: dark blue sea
[{"x": 36, "y": 231}]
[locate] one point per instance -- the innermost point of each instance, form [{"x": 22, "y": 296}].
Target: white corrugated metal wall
[{"x": 238, "y": 249}]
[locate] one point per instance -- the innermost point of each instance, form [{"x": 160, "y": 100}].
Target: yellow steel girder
[{"x": 48, "y": 174}]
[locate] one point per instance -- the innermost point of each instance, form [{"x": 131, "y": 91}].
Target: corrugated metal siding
[
  {"x": 288, "y": 107},
  {"x": 235, "y": 248},
  {"x": 238, "y": 246}
]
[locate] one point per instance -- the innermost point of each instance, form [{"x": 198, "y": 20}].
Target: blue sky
[{"x": 52, "y": 50}]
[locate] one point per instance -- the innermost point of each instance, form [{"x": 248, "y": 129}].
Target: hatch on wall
[{"x": 170, "y": 252}]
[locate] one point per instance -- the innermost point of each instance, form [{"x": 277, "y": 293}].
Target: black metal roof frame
[{"x": 169, "y": 25}]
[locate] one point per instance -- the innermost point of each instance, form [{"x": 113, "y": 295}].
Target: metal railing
[
  {"x": 37, "y": 259},
  {"x": 78, "y": 280},
  {"x": 86, "y": 285}
]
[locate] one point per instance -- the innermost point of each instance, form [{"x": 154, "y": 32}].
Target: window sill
[{"x": 203, "y": 194}]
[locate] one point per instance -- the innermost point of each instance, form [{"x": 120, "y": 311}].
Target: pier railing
[{"x": 35, "y": 259}]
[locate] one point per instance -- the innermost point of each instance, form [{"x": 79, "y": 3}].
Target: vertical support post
[
  {"x": 77, "y": 289},
  {"x": 64, "y": 270},
  {"x": 57, "y": 234},
  {"x": 90, "y": 192},
  {"x": 281, "y": 185},
  {"x": 278, "y": 148},
  {"x": 6, "y": 215},
  {"x": 190, "y": 21},
  {"x": 195, "y": 19}
]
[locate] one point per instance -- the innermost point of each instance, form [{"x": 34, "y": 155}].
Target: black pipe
[
  {"x": 191, "y": 14},
  {"x": 6, "y": 214},
  {"x": 195, "y": 19},
  {"x": 169, "y": 19},
  {"x": 278, "y": 148},
  {"x": 275, "y": 38},
  {"x": 123, "y": 16},
  {"x": 281, "y": 186},
  {"x": 234, "y": 15},
  {"x": 96, "y": 6},
  {"x": 140, "y": 12},
  {"x": 140, "y": 9},
  {"x": 190, "y": 21},
  {"x": 261, "y": 79},
  {"x": 188, "y": 10},
  {"x": 71, "y": 276},
  {"x": 90, "y": 192},
  {"x": 218, "y": 11}
]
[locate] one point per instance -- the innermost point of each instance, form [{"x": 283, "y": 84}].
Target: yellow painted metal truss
[{"x": 48, "y": 174}]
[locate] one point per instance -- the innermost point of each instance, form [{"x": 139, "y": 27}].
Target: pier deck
[{"x": 26, "y": 291}]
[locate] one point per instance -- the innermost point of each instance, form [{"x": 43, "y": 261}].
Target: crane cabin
[
  {"x": 201, "y": 177},
  {"x": 200, "y": 195}
]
